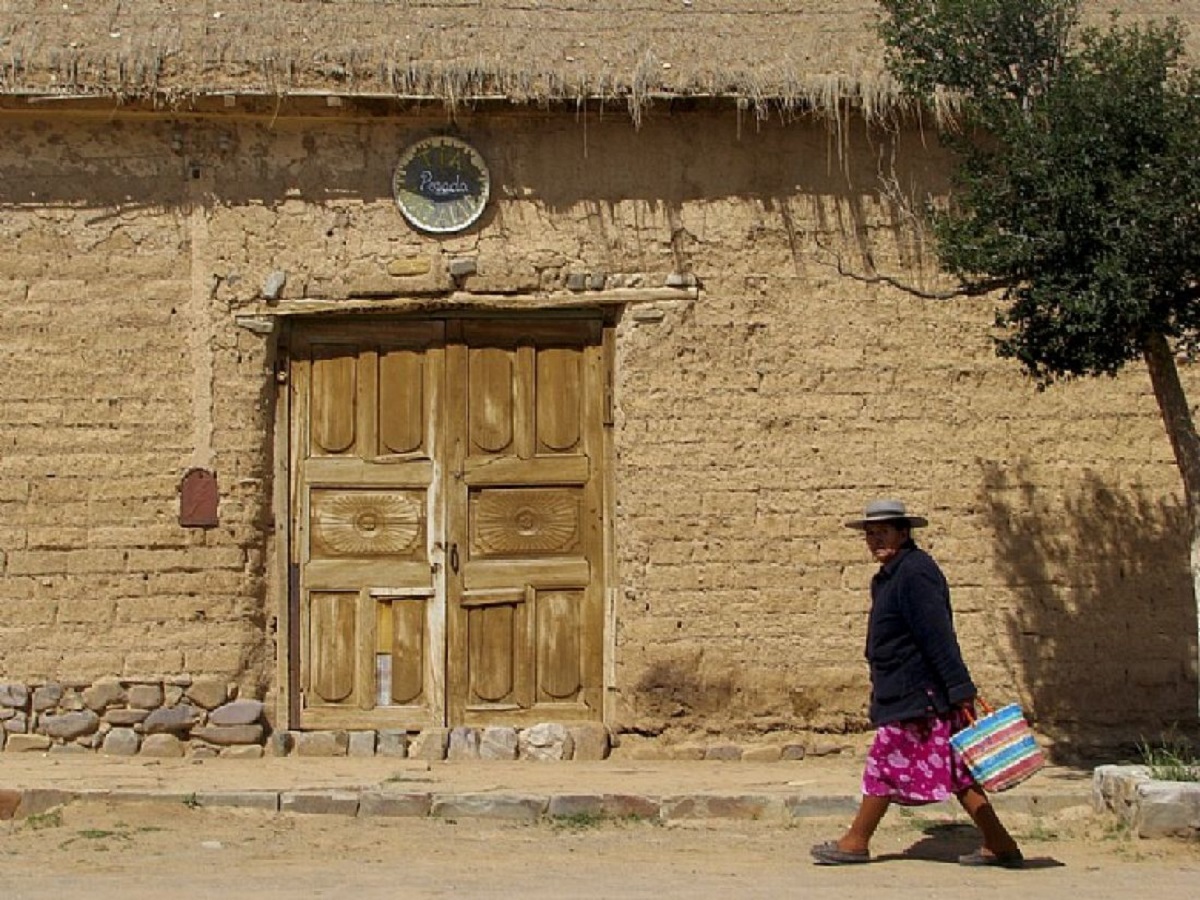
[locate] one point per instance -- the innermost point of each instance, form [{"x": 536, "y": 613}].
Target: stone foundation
[
  {"x": 205, "y": 717},
  {"x": 544, "y": 741},
  {"x": 154, "y": 717}
]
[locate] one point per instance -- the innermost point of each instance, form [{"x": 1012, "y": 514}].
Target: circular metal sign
[{"x": 441, "y": 184}]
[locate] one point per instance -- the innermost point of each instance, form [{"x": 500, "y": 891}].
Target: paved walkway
[{"x": 665, "y": 790}]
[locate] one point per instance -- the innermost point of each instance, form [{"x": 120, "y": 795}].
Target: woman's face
[{"x": 884, "y": 540}]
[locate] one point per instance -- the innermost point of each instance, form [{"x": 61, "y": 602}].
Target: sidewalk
[{"x": 525, "y": 790}]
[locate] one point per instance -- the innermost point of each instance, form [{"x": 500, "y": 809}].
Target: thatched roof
[{"x": 794, "y": 53}]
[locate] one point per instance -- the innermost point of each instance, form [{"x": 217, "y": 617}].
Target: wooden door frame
[{"x": 286, "y": 575}]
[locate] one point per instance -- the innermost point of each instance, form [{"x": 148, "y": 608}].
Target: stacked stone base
[
  {"x": 545, "y": 741},
  {"x": 163, "y": 717},
  {"x": 204, "y": 717}
]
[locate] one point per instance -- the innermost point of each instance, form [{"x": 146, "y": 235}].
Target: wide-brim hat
[{"x": 887, "y": 511}]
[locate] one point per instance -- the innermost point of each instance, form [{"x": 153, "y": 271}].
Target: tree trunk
[{"x": 1181, "y": 431}]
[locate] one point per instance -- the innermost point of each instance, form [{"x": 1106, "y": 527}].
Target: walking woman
[{"x": 920, "y": 692}]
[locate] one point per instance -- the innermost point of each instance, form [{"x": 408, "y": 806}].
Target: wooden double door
[{"x": 446, "y": 530}]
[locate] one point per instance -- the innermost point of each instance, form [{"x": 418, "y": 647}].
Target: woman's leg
[
  {"x": 996, "y": 838},
  {"x": 870, "y": 813}
]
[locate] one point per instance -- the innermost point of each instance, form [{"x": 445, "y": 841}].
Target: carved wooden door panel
[
  {"x": 367, "y": 515},
  {"x": 525, "y": 617},
  {"x": 447, "y": 523}
]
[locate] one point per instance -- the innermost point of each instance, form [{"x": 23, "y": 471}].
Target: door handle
[{"x": 454, "y": 558}]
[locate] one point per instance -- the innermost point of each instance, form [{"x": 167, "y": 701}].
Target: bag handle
[{"x": 969, "y": 712}]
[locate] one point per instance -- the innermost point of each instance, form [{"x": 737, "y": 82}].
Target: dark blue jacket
[{"x": 916, "y": 664}]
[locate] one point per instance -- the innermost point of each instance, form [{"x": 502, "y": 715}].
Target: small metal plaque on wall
[
  {"x": 198, "y": 497},
  {"x": 441, "y": 185}
]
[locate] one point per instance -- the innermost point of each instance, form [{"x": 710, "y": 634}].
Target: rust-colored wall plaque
[{"x": 198, "y": 499}]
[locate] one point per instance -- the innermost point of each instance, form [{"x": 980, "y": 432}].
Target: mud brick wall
[
  {"x": 750, "y": 419},
  {"x": 1054, "y": 515},
  {"x": 119, "y": 375}
]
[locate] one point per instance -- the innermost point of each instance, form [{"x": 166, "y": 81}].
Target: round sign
[{"x": 441, "y": 184}]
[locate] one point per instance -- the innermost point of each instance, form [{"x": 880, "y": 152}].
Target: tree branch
[{"x": 963, "y": 290}]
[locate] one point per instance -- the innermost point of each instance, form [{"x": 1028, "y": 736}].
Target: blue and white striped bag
[{"x": 999, "y": 748}]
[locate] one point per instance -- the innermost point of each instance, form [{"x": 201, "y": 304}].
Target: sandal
[
  {"x": 830, "y": 854},
  {"x": 1006, "y": 859}
]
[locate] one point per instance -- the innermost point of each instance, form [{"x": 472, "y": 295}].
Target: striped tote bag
[{"x": 999, "y": 747}]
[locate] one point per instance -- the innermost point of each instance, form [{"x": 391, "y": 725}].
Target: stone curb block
[
  {"x": 1150, "y": 808},
  {"x": 521, "y": 807},
  {"x": 170, "y": 797},
  {"x": 40, "y": 802},
  {"x": 337, "y": 803},
  {"x": 820, "y": 806},
  {"x": 606, "y": 806},
  {"x": 10, "y": 804},
  {"x": 268, "y": 800},
  {"x": 1168, "y": 809},
  {"x": 720, "y": 806},
  {"x": 105, "y": 795},
  {"x": 393, "y": 804}
]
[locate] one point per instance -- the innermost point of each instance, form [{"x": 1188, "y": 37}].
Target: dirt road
[{"x": 134, "y": 851}]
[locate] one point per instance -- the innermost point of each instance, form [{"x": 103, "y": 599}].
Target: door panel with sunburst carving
[{"x": 525, "y": 616}]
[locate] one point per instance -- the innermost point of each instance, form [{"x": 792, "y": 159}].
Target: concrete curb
[
  {"x": 512, "y": 806},
  {"x": 1148, "y": 807}
]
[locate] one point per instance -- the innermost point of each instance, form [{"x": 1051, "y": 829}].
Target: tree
[{"x": 1078, "y": 192}]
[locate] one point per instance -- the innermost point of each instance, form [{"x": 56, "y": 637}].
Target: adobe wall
[{"x": 751, "y": 419}]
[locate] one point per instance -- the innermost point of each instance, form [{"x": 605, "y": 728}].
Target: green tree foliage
[
  {"x": 1079, "y": 191},
  {"x": 982, "y": 49}
]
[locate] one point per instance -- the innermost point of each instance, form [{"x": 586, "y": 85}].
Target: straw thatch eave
[
  {"x": 762, "y": 53},
  {"x": 791, "y": 55}
]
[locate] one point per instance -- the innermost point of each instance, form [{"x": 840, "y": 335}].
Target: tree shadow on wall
[{"x": 1103, "y": 634}]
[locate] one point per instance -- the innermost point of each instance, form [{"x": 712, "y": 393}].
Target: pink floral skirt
[{"x": 912, "y": 762}]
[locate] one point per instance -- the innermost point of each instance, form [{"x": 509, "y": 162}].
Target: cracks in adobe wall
[{"x": 200, "y": 337}]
